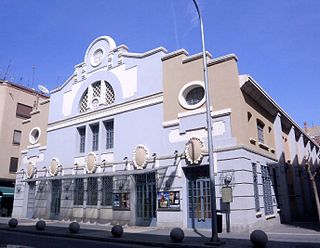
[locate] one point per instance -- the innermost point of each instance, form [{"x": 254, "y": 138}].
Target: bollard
[
  {"x": 117, "y": 231},
  {"x": 40, "y": 225},
  {"x": 74, "y": 227},
  {"x": 13, "y": 222},
  {"x": 259, "y": 238},
  {"x": 177, "y": 234}
]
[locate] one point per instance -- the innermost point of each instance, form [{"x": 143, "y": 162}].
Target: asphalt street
[{"x": 12, "y": 239}]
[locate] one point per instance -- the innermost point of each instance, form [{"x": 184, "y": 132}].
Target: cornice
[
  {"x": 109, "y": 111},
  {"x": 146, "y": 54},
  {"x": 175, "y": 54}
]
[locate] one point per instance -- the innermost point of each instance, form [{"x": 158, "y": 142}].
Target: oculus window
[{"x": 192, "y": 95}]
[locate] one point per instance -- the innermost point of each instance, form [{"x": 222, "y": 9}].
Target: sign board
[
  {"x": 169, "y": 200},
  {"x": 226, "y": 194}
]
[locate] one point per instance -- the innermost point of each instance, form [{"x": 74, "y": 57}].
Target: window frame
[
  {"x": 92, "y": 191},
  {"x": 12, "y": 165},
  {"x": 22, "y": 109},
  {"x": 107, "y": 191},
  {"x": 14, "y": 140},
  {"x": 109, "y": 134},
  {"x": 82, "y": 139},
  {"x": 95, "y": 136},
  {"x": 78, "y": 192},
  {"x": 260, "y": 131}
]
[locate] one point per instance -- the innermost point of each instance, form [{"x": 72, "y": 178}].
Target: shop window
[
  {"x": 82, "y": 139},
  {"x": 13, "y": 165},
  {"x": 23, "y": 111},
  {"x": 78, "y": 191},
  {"x": 16, "y": 137},
  {"x": 92, "y": 191},
  {"x": 109, "y": 134},
  {"x": 121, "y": 201}
]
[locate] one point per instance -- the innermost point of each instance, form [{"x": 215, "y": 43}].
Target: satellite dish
[{"x": 43, "y": 89}]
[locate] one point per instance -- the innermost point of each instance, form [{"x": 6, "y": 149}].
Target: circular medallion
[
  {"x": 54, "y": 167},
  {"x": 140, "y": 157},
  {"x": 97, "y": 57},
  {"x": 30, "y": 169},
  {"x": 91, "y": 162},
  {"x": 194, "y": 150}
]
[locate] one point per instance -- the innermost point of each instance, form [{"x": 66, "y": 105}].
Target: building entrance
[
  {"x": 146, "y": 199},
  {"x": 199, "y": 203},
  {"x": 55, "y": 199}
]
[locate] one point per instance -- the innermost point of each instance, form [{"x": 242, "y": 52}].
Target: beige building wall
[
  {"x": 10, "y": 96},
  {"x": 225, "y": 93}
]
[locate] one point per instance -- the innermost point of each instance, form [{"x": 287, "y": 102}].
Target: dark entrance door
[
  {"x": 146, "y": 198},
  {"x": 55, "y": 199},
  {"x": 199, "y": 203}
]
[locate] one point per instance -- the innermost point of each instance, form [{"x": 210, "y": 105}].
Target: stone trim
[
  {"x": 108, "y": 111},
  {"x": 146, "y": 54},
  {"x": 175, "y": 54},
  {"x": 223, "y": 59}
]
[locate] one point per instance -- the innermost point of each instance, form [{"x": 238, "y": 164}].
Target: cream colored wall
[
  {"x": 10, "y": 96},
  {"x": 225, "y": 93},
  {"x": 285, "y": 141},
  {"x": 251, "y": 139},
  {"x": 38, "y": 119}
]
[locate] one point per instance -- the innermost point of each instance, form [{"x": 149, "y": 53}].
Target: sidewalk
[{"x": 282, "y": 236}]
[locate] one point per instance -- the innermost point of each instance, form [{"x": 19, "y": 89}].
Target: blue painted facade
[{"x": 157, "y": 179}]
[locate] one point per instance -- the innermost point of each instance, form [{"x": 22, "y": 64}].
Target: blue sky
[{"x": 277, "y": 42}]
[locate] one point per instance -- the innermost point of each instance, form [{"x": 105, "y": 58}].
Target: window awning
[{"x": 6, "y": 191}]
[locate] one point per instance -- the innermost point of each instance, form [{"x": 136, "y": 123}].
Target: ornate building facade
[{"x": 126, "y": 143}]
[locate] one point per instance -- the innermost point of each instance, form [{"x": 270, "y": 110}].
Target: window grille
[
  {"x": 13, "y": 165},
  {"x": 95, "y": 137},
  {"x": 260, "y": 127},
  {"x": 107, "y": 186},
  {"x": 109, "y": 94},
  {"x": 109, "y": 134},
  {"x": 96, "y": 89},
  {"x": 82, "y": 138},
  {"x": 16, "y": 137},
  {"x": 255, "y": 187},
  {"x": 84, "y": 102},
  {"x": 267, "y": 192},
  {"x": 195, "y": 95},
  {"x": 78, "y": 191},
  {"x": 92, "y": 191}
]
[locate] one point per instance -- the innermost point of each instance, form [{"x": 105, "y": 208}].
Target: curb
[{"x": 104, "y": 239}]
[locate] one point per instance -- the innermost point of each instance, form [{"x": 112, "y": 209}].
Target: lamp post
[{"x": 214, "y": 230}]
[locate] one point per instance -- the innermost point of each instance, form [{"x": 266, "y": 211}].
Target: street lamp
[{"x": 214, "y": 230}]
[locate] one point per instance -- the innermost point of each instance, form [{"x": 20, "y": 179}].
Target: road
[{"x": 38, "y": 241}]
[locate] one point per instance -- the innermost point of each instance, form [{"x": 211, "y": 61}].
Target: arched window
[
  {"x": 97, "y": 94},
  {"x": 84, "y": 102}
]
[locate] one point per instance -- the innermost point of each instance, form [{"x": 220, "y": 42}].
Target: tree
[{"x": 312, "y": 177}]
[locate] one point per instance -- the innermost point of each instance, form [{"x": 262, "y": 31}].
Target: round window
[
  {"x": 192, "y": 95},
  {"x": 34, "y": 135}
]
